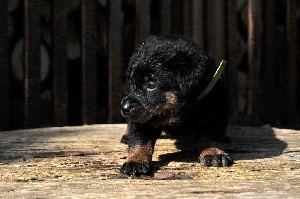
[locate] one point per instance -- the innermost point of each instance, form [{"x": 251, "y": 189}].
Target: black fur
[{"x": 164, "y": 78}]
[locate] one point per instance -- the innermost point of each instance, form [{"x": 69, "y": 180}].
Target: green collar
[{"x": 214, "y": 80}]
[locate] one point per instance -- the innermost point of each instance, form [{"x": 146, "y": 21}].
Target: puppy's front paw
[
  {"x": 136, "y": 169},
  {"x": 215, "y": 157}
]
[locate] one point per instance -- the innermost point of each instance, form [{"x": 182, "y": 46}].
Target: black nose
[{"x": 127, "y": 104}]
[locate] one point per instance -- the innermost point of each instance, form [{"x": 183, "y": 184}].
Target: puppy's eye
[{"x": 149, "y": 82}]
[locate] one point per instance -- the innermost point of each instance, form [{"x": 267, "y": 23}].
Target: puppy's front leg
[
  {"x": 140, "y": 141},
  {"x": 212, "y": 155}
]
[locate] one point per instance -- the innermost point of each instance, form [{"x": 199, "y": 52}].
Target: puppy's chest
[
  {"x": 189, "y": 122},
  {"x": 179, "y": 126}
]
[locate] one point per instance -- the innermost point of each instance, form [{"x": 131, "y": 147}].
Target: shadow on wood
[
  {"x": 84, "y": 162},
  {"x": 248, "y": 143},
  {"x": 44, "y": 143}
]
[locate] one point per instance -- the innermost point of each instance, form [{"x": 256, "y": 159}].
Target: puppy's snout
[{"x": 127, "y": 104}]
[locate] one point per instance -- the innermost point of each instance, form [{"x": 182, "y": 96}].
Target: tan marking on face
[
  {"x": 171, "y": 98},
  {"x": 169, "y": 107},
  {"x": 169, "y": 110},
  {"x": 140, "y": 154},
  {"x": 174, "y": 120}
]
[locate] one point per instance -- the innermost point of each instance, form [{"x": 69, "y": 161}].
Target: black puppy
[{"x": 164, "y": 80}]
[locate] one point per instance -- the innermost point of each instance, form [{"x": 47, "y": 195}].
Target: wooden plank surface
[
  {"x": 233, "y": 53},
  {"x": 188, "y": 17},
  {"x": 4, "y": 67},
  {"x": 84, "y": 162},
  {"x": 89, "y": 62},
  {"x": 198, "y": 22},
  {"x": 292, "y": 46},
  {"x": 177, "y": 17},
  {"x": 60, "y": 61},
  {"x": 272, "y": 94},
  {"x": 215, "y": 28},
  {"x": 254, "y": 58},
  {"x": 115, "y": 61},
  {"x": 142, "y": 23},
  {"x": 166, "y": 17},
  {"x": 32, "y": 79}
]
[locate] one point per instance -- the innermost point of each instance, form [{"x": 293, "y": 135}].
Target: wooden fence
[{"x": 258, "y": 38}]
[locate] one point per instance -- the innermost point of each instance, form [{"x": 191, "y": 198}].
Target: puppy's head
[{"x": 163, "y": 76}]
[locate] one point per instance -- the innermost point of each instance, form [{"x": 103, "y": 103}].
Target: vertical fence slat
[
  {"x": 233, "y": 52},
  {"x": 254, "y": 57},
  {"x": 166, "y": 17},
  {"x": 4, "y": 68},
  {"x": 89, "y": 61},
  {"x": 271, "y": 94},
  {"x": 198, "y": 22},
  {"x": 32, "y": 42},
  {"x": 188, "y": 17},
  {"x": 142, "y": 22},
  {"x": 60, "y": 71},
  {"x": 291, "y": 32},
  {"x": 181, "y": 17},
  {"x": 177, "y": 20},
  {"x": 115, "y": 60},
  {"x": 215, "y": 27}
]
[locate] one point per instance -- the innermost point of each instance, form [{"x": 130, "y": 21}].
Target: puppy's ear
[{"x": 192, "y": 69}]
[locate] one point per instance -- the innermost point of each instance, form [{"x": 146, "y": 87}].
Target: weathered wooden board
[
  {"x": 4, "y": 67},
  {"x": 83, "y": 162},
  {"x": 60, "y": 63},
  {"x": 115, "y": 61},
  {"x": 88, "y": 62},
  {"x": 31, "y": 58}
]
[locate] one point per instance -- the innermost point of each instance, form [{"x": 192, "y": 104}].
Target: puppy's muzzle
[{"x": 127, "y": 105}]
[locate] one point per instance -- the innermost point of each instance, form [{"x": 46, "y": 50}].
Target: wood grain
[{"x": 84, "y": 162}]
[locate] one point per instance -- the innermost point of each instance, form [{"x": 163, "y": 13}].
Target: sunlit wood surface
[{"x": 84, "y": 162}]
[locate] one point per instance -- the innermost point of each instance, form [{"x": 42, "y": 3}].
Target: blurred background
[{"x": 62, "y": 62}]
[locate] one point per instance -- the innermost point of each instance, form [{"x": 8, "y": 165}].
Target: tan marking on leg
[
  {"x": 208, "y": 147},
  {"x": 140, "y": 154},
  {"x": 211, "y": 152}
]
